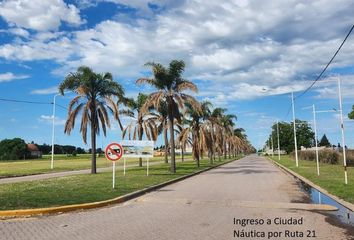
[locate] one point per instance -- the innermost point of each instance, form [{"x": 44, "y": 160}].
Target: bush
[
  {"x": 13, "y": 149},
  {"x": 324, "y": 156}
]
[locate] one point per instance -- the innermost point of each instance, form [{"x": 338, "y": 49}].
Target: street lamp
[
  {"x": 53, "y": 130},
  {"x": 278, "y": 140},
  {"x": 295, "y": 141}
]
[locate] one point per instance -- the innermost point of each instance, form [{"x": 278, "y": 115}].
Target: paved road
[{"x": 202, "y": 207}]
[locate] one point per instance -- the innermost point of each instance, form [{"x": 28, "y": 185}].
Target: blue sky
[{"x": 244, "y": 55}]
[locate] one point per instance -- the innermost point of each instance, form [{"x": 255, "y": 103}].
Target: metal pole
[
  {"x": 124, "y": 166},
  {"x": 314, "y": 124},
  {"x": 53, "y": 129},
  {"x": 342, "y": 130},
  {"x": 272, "y": 145},
  {"x": 295, "y": 141},
  {"x": 278, "y": 140},
  {"x": 114, "y": 174}
]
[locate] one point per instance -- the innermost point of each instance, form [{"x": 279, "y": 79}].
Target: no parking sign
[{"x": 114, "y": 152}]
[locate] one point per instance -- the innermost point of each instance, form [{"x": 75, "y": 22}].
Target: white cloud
[
  {"x": 46, "y": 91},
  {"x": 9, "y": 76},
  {"x": 40, "y": 15},
  {"x": 49, "y": 120},
  {"x": 251, "y": 45}
]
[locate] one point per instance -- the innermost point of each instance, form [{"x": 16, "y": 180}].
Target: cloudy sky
[{"x": 245, "y": 55}]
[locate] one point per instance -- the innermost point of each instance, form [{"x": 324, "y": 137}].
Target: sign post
[
  {"x": 138, "y": 149},
  {"x": 124, "y": 166},
  {"x": 114, "y": 152}
]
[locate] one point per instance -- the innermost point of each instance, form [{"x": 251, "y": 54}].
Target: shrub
[{"x": 324, "y": 156}]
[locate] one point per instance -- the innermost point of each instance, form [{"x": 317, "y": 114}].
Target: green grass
[
  {"x": 331, "y": 176},
  {"x": 87, "y": 188},
  {"x": 61, "y": 163}
]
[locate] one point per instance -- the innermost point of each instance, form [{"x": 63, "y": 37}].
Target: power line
[
  {"x": 329, "y": 63},
  {"x": 23, "y": 101},
  {"x": 31, "y": 102}
]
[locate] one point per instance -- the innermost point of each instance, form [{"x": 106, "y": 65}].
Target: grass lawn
[
  {"x": 331, "y": 176},
  {"x": 87, "y": 188},
  {"x": 61, "y": 163}
]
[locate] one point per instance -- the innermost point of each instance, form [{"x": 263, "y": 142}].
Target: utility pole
[
  {"x": 342, "y": 131},
  {"x": 278, "y": 140},
  {"x": 315, "y": 128},
  {"x": 295, "y": 141}
]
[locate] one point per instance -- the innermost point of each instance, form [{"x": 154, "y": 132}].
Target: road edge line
[
  {"x": 117, "y": 200},
  {"x": 346, "y": 204}
]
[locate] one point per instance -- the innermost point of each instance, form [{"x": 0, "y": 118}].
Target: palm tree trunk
[
  {"x": 172, "y": 142},
  {"x": 182, "y": 152},
  {"x": 166, "y": 144},
  {"x": 140, "y": 134},
  {"x": 225, "y": 149},
  {"x": 212, "y": 142},
  {"x": 93, "y": 149}
]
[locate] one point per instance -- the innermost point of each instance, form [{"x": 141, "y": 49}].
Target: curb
[
  {"x": 121, "y": 199},
  {"x": 344, "y": 203}
]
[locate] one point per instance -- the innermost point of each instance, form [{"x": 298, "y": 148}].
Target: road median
[{"x": 97, "y": 204}]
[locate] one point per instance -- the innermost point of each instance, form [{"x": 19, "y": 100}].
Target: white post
[
  {"x": 314, "y": 124},
  {"x": 278, "y": 140},
  {"x": 342, "y": 130},
  {"x": 147, "y": 167},
  {"x": 53, "y": 128},
  {"x": 295, "y": 141},
  {"x": 124, "y": 166},
  {"x": 272, "y": 146},
  {"x": 114, "y": 174}
]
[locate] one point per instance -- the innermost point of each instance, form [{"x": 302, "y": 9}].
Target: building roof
[{"x": 32, "y": 147}]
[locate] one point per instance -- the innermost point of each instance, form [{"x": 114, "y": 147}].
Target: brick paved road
[{"x": 202, "y": 207}]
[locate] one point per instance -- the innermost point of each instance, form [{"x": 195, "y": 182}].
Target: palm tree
[
  {"x": 144, "y": 122},
  {"x": 162, "y": 113},
  {"x": 170, "y": 86},
  {"x": 94, "y": 97},
  {"x": 214, "y": 120},
  {"x": 194, "y": 118},
  {"x": 227, "y": 125}
]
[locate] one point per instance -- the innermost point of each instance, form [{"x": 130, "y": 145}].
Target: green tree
[
  {"x": 304, "y": 134},
  {"x": 170, "y": 86},
  {"x": 351, "y": 114},
  {"x": 94, "y": 97},
  {"x": 13, "y": 149},
  {"x": 324, "y": 141}
]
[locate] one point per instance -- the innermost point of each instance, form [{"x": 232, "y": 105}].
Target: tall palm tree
[
  {"x": 214, "y": 120},
  {"x": 143, "y": 122},
  {"x": 170, "y": 86},
  {"x": 94, "y": 97},
  {"x": 194, "y": 118},
  {"x": 226, "y": 121}
]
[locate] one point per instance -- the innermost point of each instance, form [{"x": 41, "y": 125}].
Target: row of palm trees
[{"x": 169, "y": 111}]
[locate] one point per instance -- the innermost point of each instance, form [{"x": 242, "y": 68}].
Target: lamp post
[
  {"x": 315, "y": 128},
  {"x": 53, "y": 131},
  {"x": 278, "y": 140},
  {"x": 342, "y": 131},
  {"x": 295, "y": 141}
]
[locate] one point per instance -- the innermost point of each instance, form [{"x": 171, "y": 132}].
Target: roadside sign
[{"x": 114, "y": 152}]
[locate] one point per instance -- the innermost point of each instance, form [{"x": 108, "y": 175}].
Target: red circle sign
[{"x": 114, "y": 152}]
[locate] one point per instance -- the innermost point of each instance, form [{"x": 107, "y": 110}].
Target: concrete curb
[
  {"x": 305, "y": 180},
  {"x": 121, "y": 199}
]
